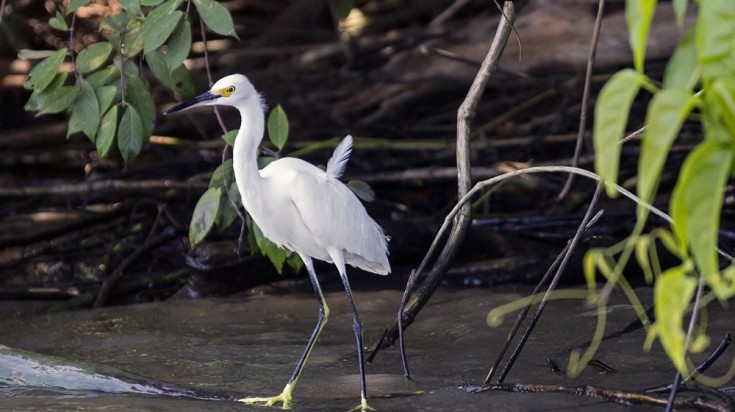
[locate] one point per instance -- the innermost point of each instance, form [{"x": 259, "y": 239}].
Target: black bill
[{"x": 197, "y": 101}]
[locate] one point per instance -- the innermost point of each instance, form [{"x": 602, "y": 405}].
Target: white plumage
[{"x": 302, "y": 208}]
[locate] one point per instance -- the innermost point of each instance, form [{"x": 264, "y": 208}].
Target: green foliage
[
  {"x": 639, "y": 14},
  {"x": 130, "y": 134},
  {"x": 205, "y": 214},
  {"x": 278, "y": 127},
  {"x": 86, "y": 103},
  {"x": 44, "y": 73},
  {"x": 216, "y": 17},
  {"x": 229, "y": 137},
  {"x": 704, "y": 58},
  {"x": 106, "y": 81},
  {"x": 611, "y": 119},
  {"x": 666, "y": 114},
  {"x": 92, "y": 57}
]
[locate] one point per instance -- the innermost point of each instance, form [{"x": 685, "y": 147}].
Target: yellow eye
[{"x": 228, "y": 91}]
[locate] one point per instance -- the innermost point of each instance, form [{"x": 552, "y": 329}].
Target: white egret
[{"x": 301, "y": 208}]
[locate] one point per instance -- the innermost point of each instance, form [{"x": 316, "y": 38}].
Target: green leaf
[
  {"x": 58, "y": 22},
  {"x": 723, "y": 89},
  {"x": 103, "y": 77},
  {"x": 85, "y": 115},
  {"x": 222, "y": 174},
  {"x": 227, "y": 213},
  {"x": 131, "y": 6},
  {"x": 130, "y": 134},
  {"x": 683, "y": 63},
  {"x": 38, "y": 97},
  {"x": 680, "y": 10},
  {"x": 362, "y": 190},
  {"x": 157, "y": 63},
  {"x": 133, "y": 39},
  {"x": 106, "y": 132},
  {"x": 294, "y": 260},
  {"x": 230, "y": 136},
  {"x": 59, "y": 100},
  {"x": 216, "y": 17},
  {"x": 666, "y": 114},
  {"x": 105, "y": 96},
  {"x": 182, "y": 81},
  {"x": 117, "y": 22},
  {"x": 715, "y": 32},
  {"x": 41, "y": 76},
  {"x": 130, "y": 68},
  {"x": 149, "y": 3},
  {"x": 696, "y": 202},
  {"x": 179, "y": 44},
  {"x": 278, "y": 127},
  {"x": 671, "y": 296},
  {"x": 639, "y": 14},
  {"x": 275, "y": 254},
  {"x": 159, "y": 25},
  {"x": 139, "y": 95},
  {"x": 28, "y": 54},
  {"x": 264, "y": 161},
  {"x": 177, "y": 80},
  {"x": 93, "y": 56},
  {"x": 205, "y": 215},
  {"x": 74, "y": 5},
  {"x": 611, "y": 119}
]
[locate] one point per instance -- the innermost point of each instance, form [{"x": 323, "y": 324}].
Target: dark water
[{"x": 248, "y": 346}]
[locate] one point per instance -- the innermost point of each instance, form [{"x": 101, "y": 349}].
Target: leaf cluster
[
  {"x": 106, "y": 97},
  {"x": 698, "y": 85}
]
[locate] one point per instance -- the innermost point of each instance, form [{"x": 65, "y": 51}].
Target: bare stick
[
  {"x": 421, "y": 294},
  {"x": 608, "y": 395},
  {"x": 585, "y": 96},
  {"x": 166, "y": 235}
]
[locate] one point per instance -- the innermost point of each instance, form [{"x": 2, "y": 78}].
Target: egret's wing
[
  {"x": 333, "y": 215},
  {"x": 338, "y": 162}
]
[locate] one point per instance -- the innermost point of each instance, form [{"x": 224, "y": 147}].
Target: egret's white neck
[{"x": 245, "y": 150}]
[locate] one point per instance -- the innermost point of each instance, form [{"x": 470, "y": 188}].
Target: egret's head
[{"x": 233, "y": 90}]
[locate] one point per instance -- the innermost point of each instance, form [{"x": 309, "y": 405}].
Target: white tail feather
[{"x": 338, "y": 162}]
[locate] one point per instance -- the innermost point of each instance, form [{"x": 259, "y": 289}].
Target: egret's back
[{"x": 333, "y": 215}]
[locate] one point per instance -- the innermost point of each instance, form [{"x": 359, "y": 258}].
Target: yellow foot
[
  {"x": 285, "y": 399},
  {"x": 362, "y": 407}
]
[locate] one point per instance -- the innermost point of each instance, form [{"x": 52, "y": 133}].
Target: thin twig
[
  {"x": 585, "y": 96},
  {"x": 523, "y": 313},
  {"x": 552, "y": 285}
]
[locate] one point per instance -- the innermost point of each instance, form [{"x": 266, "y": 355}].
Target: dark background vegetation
[{"x": 393, "y": 77}]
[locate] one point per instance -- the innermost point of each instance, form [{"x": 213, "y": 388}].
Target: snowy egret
[{"x": 301, "y": 208}]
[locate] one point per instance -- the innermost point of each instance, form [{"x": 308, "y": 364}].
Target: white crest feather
[{"x": 338, "y": 162}]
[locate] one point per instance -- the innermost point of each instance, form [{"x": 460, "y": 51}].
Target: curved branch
[{"x": 420, "y": 294}]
